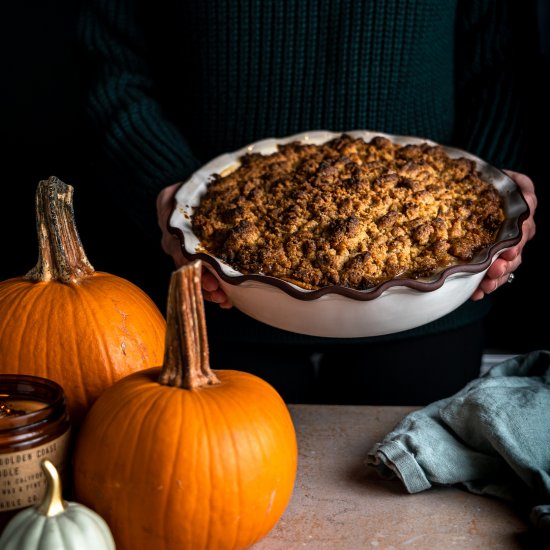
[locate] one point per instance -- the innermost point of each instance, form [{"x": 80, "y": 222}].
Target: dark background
[{"x": 46, "y": 133}]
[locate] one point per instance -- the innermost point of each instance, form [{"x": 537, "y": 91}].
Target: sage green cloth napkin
[{"x": 492, "y": 437}]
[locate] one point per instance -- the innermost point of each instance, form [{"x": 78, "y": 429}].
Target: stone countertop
[{"x": 340, "y": 504}]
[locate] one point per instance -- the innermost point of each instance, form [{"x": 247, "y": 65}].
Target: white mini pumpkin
[{"x": 56, "y": 524}]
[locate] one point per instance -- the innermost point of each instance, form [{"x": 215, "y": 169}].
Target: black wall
[
  {"x": 46, "y": 133},
  {"x": 41, "y": 117}
]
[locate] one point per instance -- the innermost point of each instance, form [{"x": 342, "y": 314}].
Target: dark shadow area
[
  {"x": 516, "y": 322},
  {"x": 533, "y": 540},
  {"x": 46, "y": 133},
  {"x": 41, "y": 118}
]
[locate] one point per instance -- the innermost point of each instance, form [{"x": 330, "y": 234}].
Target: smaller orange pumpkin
[
  {"x": 186, "y": 457},
  {"x": 66, "y": 322}
]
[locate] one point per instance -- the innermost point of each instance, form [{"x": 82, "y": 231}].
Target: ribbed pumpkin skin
[
  {"x": 77, "y": 527},
  {"x": 83, "y": 335},
  {"x": 169, "y": 468}
]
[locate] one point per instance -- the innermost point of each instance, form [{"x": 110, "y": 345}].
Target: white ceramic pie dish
[{"x": 337, "y": 311}]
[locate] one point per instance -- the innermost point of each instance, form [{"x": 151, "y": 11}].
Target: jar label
[{"x": 22, "y": 481}]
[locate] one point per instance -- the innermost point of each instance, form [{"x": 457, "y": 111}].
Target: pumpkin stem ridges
[
  {"x": 60, "y": 253},
  {"x": 186, "y": 361},
  {"x": 53, "y": 502}
]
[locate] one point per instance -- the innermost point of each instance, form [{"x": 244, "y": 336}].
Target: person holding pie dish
[{"x": 171, "y": 89}]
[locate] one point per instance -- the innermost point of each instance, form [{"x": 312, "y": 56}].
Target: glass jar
[{"x": 34, "y": 424}]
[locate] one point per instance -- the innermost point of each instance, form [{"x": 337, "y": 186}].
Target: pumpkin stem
[
  {"x": 60, "y": 253},
  {"x": 53, "y": 502},
  {"x": 186, "y": 362}
]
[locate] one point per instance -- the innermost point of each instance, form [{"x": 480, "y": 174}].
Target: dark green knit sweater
[{"x": 177, "y": 83}]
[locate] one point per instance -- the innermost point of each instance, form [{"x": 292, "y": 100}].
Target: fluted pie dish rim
[{"x": 273, "y": 295}]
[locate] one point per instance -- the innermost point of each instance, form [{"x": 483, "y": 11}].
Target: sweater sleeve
[
  {"x": 132, "y": 128},
  {"x": 492, "y": 94}
]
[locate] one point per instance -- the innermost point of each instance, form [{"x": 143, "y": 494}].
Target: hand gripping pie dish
[{"x": 347, "y": 235}]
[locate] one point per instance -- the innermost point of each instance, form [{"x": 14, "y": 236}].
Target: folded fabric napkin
[{"x": 492, "y": 437}]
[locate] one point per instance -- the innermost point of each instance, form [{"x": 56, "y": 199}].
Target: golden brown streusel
[{"x": 348, "y": 212}]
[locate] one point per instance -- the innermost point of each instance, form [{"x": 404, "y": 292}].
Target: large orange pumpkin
[
  {"x": 66, "y": 322},
  {"x": 182, "y": 456}
]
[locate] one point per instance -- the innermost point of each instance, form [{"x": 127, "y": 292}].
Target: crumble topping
[{"x": 348, "y": 212}]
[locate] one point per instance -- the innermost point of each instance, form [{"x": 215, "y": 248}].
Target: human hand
[
  {"x": 510, "y": 259},
  {"x": 170, "y": 243}
]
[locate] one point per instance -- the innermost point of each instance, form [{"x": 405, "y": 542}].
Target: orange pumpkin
[
  {"x": 66, "y": 322},
  {"x": 183, "y": 456}
]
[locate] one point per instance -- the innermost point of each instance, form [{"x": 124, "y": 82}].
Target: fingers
[
  {"x": 501, "y": 268},
  {"x": 169, "y": 242},
  {"x": 218, "y": 297},
  {"x": 499, "y": 272},
  {"x": 528, "y": 230},
  {"x": 527, "y": 188},
  {"x": 172, "y": 246},
  {"x": 165, "y": 203},
  {"x": 526, "y": 185},
  {"x": 212, "y": 291},
  {"x": 497, "y": 275}
]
